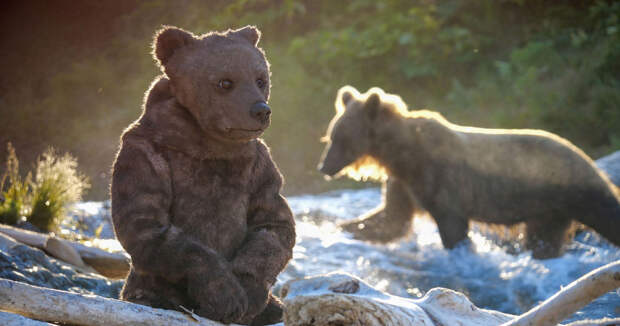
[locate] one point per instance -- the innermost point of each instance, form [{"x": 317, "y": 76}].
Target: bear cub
[
  {"x": 457, "y": 174},
  {"x": 195, "y": 194}
]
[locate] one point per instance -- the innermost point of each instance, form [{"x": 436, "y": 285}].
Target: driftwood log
[
  {"x": 342, "y": 299},
  {"x": 333, "y": 299},
  {"x": 572, "y": 297},
  {"x": 112, "y": 265},
  {"x": 108, "y": 264},
  {"x": 9, "y": 319},
  {"x": 79, "y": 309}
]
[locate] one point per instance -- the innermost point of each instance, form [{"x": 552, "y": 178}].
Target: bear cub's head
[
  {"x": 222, "y": 79},
  {"x": 351, "y": 133}
]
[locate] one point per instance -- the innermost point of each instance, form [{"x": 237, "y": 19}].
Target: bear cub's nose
[{"x": 260, "y": 111}]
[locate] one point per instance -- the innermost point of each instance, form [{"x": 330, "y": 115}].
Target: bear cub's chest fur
[{"x": 211, "y": 197}]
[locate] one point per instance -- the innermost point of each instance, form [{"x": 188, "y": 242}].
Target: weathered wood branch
[
  {"x": 108, "y": 264},
  {"x": 597, "y": 322},
  {"x": 112, "y": 265},
  {"x": 323, "y": 300},
  {"x": 79, "y": 309},
  {"x": 342, "y": 299},
  {"x": 571, "y": 298}
]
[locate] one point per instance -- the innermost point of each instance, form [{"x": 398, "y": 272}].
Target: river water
[
  {"x": 490, "y": 276},
  {"x": 494, "y": 275}
]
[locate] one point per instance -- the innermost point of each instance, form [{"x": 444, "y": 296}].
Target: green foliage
[
  {"x": 545, "y": 64},
  {"x": 500, "y": 64},
  {"x": 57, "y": 183},
  {"x": 566, "y": 80},
  {"x": 14, "y": 190}
]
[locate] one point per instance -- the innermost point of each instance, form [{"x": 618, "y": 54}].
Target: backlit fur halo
[{"x": 366, "y": 167}]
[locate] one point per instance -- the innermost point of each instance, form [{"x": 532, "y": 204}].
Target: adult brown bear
[
  {"x": 458, "y": 174},
  {"x": 195, "y": 194}
]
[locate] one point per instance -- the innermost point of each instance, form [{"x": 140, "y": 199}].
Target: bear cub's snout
[{"x": 261, "y": 112}]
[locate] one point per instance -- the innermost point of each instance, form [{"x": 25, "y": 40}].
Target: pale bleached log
[
  {"x": 90, "y": 310},
  {"x": 112, "y": 265},
  {"x": 571, "y": 298},
  {"x": 49, "y": 243},
  {"x": 30, "y": 238},
  {"x": 9, "y": 319},
  {"x": 596, "y": 322},
  {"x": 60, "y": 249},
  {"x": 448, "y": 307},
  {"x": 109, "y": 264},
  {"x": 343, "y": 299}
]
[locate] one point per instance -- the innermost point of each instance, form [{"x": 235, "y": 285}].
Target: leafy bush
[
  {"x": 43, "y": 200},
  {"x": 57, "y": 183}
]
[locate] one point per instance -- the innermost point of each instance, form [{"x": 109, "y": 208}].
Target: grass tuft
[{"x": 43, "y": 201}]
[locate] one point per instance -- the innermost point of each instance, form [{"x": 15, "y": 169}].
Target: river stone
[{"x": 19, "y": 262}]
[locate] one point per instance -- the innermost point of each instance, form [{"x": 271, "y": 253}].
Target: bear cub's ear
[
  {"x": 168, "y": 40},
  {"x": 249, "y": 33}
]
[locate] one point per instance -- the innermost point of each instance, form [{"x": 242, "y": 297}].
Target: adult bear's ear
[
  {"x": 372, "y": 106},
  {"x": 249, "y": 33},
  {"x": 168, "y": 40},
  {"x": 345, "y": 95}
]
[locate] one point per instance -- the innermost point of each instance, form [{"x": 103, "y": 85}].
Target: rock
[
  {"x": 611, "y": 165},
  {"x": 22, "y": 263}
]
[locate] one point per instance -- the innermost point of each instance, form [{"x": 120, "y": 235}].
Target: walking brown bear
[
  {"x": 458, "y": 174},
  {"x": 195, "y": 194}
]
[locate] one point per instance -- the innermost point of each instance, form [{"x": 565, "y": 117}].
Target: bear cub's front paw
[
  {"x": 219, "y": 298},
  {"x": 258, "y": 296}
]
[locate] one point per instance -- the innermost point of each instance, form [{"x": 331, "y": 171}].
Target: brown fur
[
  {"x": 458, "y": 174},
  {"x": 195, "y": 195}
]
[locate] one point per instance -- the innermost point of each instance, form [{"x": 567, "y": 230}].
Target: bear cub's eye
[
  {"x": 261, "y": 83},
  {"x": 225, "y": 84}
]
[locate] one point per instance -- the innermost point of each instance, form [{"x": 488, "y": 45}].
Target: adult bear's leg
[
  {"x": 452, "y": 229},
  {"x": 546, "y": 237},
  {"x": 390, "y": 220}
]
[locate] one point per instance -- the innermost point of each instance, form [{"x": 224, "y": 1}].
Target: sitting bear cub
[
  {"x": 195, "y": 194},
  {"x": 458, "y": 174}
]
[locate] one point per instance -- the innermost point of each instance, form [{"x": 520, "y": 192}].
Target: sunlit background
[{"x": 73, "y": 73}]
